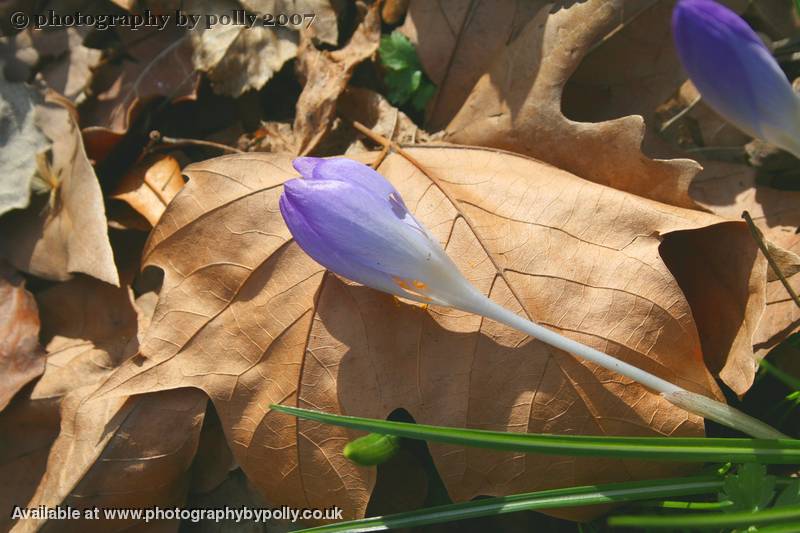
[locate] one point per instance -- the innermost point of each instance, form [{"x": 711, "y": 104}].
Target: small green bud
[{"x": 372, "y": 449}]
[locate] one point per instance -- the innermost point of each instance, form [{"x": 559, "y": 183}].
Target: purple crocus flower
[
  {"x": 354, "y": 222},
  {"x": 735, "y": 73}
]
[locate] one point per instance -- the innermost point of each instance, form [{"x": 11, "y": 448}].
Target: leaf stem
[
  {"x": 759, "y": 238},
  {"x": 159, "y": 141},
  {"x": 690, "y": 401}
]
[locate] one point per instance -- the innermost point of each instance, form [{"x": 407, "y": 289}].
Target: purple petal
[
  {"x": 319, "y": 248},
  {"x": 306, "y": 165},
  {"x": 353, "y": 222},
  {"x": 343, "y": 169},
  {"x": 733, "y": 70}
]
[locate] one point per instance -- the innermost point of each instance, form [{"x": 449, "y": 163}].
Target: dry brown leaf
[
  {"x": 372, "y": 110},
  {"x": 21, "y": 358},
  {"x": 114, "y": 452},
  {"x": 247, "y": 317},
  {"x": 68, "y": 232},
  {"x": 120, "y": 453},
  {"x": 59, "y": 56},
  {"x": 326, "y": 75},
  {"x": 88, "y": 327},
  {"x": 153, "y": 64},
  {"x": 456, "y": 42},
  {"x": 631, "y": 72},
  {"x": 150, "y": 186},
  {"x": 728, "y": 189},
  {"x": 375, "y": 112},
  {"x": 522, "y": 112},
  {"x": 28, "y": 429},
  {"x": 787, "y": 261},
  {"x": 238, "y": 58}
]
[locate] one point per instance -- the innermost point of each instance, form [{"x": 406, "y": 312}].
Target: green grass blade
[
  {"x": 546, "y": 499},
  {"x": 709, "y": 521},
  {"x": 786, "y": 527},
  {"x": 787, "y": 379},
  {"x": 689, "y": 506},
  {"x": 699, "y": 449}
]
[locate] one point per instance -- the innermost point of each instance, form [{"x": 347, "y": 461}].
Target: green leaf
[
  {"x": 546, "y": 499},
  {"x": 790, "y": 495},
  {"x": 404, "y": 77},
  {"x": 768, "y": 451},
  {"x": 397, "y": 52},
  {"x": 399, "y": 84},
  {"x": 372, "y": 449},
  {"x": 750, "y": 489},
  {"x": 739, "y": 519},
  {"x": 423, "y": 95}
]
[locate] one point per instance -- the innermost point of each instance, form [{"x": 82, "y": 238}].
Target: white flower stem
[{"x": 690, "y": 401}]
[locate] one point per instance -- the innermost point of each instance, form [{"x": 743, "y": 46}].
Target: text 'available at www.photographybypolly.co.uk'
[{"x": 235, "y": 514}]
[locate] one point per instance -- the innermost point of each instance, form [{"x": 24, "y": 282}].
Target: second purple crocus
[{"x": 736, "y": 73}]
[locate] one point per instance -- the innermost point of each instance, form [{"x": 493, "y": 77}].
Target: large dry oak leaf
[
  {"x": 245, "y": 315},
  {"x": 517, "y": 105}
]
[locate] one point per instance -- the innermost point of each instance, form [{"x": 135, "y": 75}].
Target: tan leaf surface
[
  {"x": 131, "y": 453},
  {"x": 114, "y": 452},
  {"x": 28, "y": 429},
  {"x": 728, "y": 189},
  {"x": 375, "y": 112},
  {"x": 632, "y": 72},
  {"x": 154, "y": 64},
  {"x": 246, "y": 316},
  {"x": 326, "y": 75},
  {"x": 523, "y": 112},
  {"x": 21, "y": 358},
  {"x": 69, "y": 234},
  {"x": 150, "y": 186},
  {"x": 88, "y": 328},
  {"x": 456, "y": 42}
]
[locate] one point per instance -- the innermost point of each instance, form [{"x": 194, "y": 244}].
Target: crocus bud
[
  {"x": 354, "y": 222},
  {"x": 735, "y": 73},
  {"x": 372, "y": 449}
]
